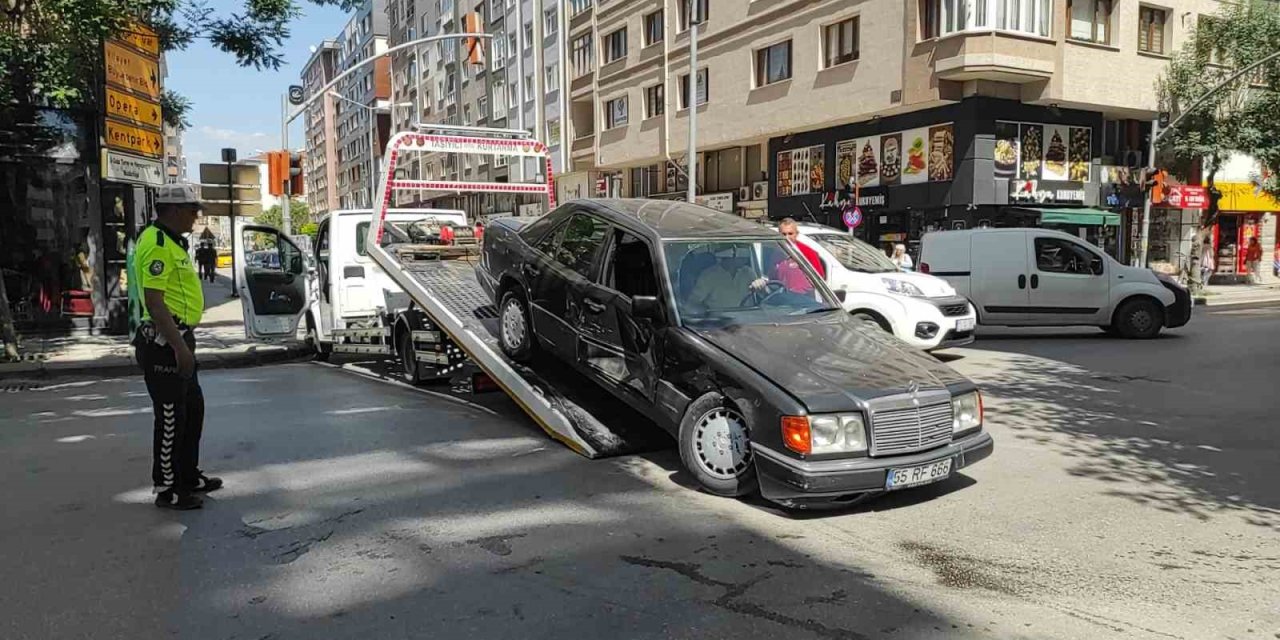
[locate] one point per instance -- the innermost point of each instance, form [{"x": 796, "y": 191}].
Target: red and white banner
[
  {"x": 1187, "y": 197},
  {"x": 480, "y": 146}
]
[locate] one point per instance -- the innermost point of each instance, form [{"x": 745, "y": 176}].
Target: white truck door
[
  {"x": 1069, "y": 283},
  {"x": 271, "y": 281},
  {"x": 999, "y": 276}
]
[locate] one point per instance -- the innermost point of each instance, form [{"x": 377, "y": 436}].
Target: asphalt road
[{"x": 1134, "y": 493}]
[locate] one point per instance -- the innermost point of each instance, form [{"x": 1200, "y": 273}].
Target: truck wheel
[
  {"x": 409, "y": 358},
  {"x": 1139, "y": 318},
  {"x": 515, "y": 332},
  {"x": 321, "y": 351},
  {"x": 715, "y": 446}
]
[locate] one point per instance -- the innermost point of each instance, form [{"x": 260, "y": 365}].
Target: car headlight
[
  {"x": 829, "y": 433},
  {"x": 966, "y": 410},
  {"x": 902, "y": 287}
]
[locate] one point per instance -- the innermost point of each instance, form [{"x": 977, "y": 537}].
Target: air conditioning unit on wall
[
  {"x": 744, "y": 193},
  {"x": 760, "y": 190}
]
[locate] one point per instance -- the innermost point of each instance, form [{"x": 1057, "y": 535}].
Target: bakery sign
[
  {"x": 1031, "y": 191},
  {"x": 1032, "y": 151}
]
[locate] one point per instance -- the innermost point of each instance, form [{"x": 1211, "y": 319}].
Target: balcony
[
  {"x": 996, "y": 56},
  {"x": 583, "y": 145}
]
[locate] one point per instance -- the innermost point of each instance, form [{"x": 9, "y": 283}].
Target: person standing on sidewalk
[
  {"x": 1253, "y": 259},
  {"x": 173, "y": 303}
]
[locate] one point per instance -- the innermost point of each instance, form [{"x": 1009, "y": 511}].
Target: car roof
[{"x": 669, "y": 219}]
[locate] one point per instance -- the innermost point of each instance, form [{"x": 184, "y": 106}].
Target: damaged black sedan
[{"x": 719, "y": 330}]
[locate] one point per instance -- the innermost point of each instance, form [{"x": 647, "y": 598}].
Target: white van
[
  {"x": 1039, "y": 277},
  {"x": 919, "y": 309}
]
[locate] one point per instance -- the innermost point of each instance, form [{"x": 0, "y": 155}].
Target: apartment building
[
  {"x": 175, "y": 161},
  {"x": 925, "y": 114},
  {"x": 363, "y": 110},
  {"x": 320, "y": 163}
]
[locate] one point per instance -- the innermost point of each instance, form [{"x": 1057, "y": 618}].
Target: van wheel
[
  {"x": 715, "y": 446},
  {"x": 876, "y": 322},
  {"x": 515, "y": 331},
  {"x": 320, "y": 349},
  {"x": 1139, "y": 318},
  {"x": 409, "y": 358}
]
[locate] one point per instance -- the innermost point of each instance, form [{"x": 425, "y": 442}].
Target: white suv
[{"x": 921, "y": 310}]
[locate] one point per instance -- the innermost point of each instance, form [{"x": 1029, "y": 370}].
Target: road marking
[{"x": 365, "y": 373}]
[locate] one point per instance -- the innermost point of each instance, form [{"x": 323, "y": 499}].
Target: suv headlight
[
  {"x": 828, "y": 433},
  {"x": 966, "y": 410},
  {"x": 902, "y": 287}
]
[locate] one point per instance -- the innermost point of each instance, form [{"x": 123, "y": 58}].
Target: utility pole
[
  {"x": 286, "y": 220},
  {"x": 1146, "y": 199},
  {"x": 695, "y": 20},
  {"x": 229, "y": 157}
]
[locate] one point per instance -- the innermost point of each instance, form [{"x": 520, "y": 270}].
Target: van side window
[{"x": 1055, "y": 255}]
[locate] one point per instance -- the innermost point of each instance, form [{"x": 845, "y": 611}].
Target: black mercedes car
[{"x": 719, "y": 331}]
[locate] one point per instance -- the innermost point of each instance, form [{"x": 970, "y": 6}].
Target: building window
[
  {"x": 653, "y": 28},
  {"x": 773, "y": 64},
  {"x": 482, "y": 106},
  {"x": 551, "y": 77},
  {"x": 499, "y": 50},
  {"x": 1091, "y": 20},
  {"x": 528, "y": 35},
  {"x": 655, "y": 101},
  {"x": 702, "y": 92},
  {"x": 614, "y": 45},
  {"x": 701, "y": 9},
  {"x": 582, "y": 55},
  {"x": 578, "y": 6},
  {"x": 529, "y": 87},
  {"x": 1151, "y": 23},
  {"x": 511, "y": 46},
  {"x": 840, "y": 42},
  {"x": 615, "y": 113},
  {"x": 550, "y": 23},
  {"x": 945, "y": 17}
]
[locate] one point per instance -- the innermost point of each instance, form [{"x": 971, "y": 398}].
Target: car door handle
[
  {"x": 1022, "y": 281},
  {"x": 1035, "y": 281},
  {"x": 593, "y": 306}
]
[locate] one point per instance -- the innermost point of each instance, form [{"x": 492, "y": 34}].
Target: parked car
[
  {"x": 766, "y": 386},
  {"x": 1039, "y": 277},
  {"x": 921, "y": 310}
]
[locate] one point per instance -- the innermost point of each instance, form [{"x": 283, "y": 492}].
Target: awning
[{"x": 1082, "y": 215}]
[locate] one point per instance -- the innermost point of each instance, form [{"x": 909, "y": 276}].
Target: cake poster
[
  {"x": 1055, "y": 152},
  {"x": 867, "y": 162},
  {"x": 1080, "y": 154},
  {"x": 846, "y": 153},
  {"x": 1005, "y": 153},
  {"x": 799, "y": 171},
  {"x": 915, "y": 156},
  {"x": 784, "y": 174},
  {"x": 817, "y": 169},
  {"x": 890, "y": 159},
  {"x": 1031, "y": 150}
]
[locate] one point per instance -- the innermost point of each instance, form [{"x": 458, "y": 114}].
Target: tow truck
[{"x": 409, "y": 292}]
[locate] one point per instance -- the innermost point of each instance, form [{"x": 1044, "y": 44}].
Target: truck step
[{"x": 362, "y": 348}]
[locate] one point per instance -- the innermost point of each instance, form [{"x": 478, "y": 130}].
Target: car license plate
[
  {"x": 964, "y": 324},
  {"x": 913, "y": 476}
]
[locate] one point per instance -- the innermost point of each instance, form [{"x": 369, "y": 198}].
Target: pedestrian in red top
[
  {"x": 1253, "y": 260},
  {"x": 787, "y": 271}
]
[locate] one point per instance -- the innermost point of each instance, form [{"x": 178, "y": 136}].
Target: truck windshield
[
  {"x": 735, "y": 282},
  {"x": 854, "y": 254}
]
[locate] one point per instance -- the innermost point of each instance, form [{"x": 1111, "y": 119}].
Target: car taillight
[
  {"x": 924, "y": 267},
  {"x": 795, "y": 434}
]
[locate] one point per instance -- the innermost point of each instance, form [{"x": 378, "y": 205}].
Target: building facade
[
  {"x": 175, "y": 161},
  {"x": 363, "y": 112},
  {"x": 320, "y": 164}
]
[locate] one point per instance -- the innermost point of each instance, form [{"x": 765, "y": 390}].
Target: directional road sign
[
  {"x": 132, "y": 71},
  {"x": 127, "y": 137},
  {"x": 132, "y": 108}
]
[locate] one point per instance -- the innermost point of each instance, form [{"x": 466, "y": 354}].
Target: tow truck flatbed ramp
[{"x": 568, "y": 406}]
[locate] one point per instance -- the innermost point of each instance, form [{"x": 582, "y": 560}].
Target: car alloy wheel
[
  {"x": 722, "y": 444},
  {"x": 1141, "y": 320},
  {"x": 513, "y": 325}
]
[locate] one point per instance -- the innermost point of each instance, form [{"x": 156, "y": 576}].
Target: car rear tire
[
  {"x": 515, "y": 332},
  {"x": 1139, "y": 318},
  {"x": 715, "y": 446}
]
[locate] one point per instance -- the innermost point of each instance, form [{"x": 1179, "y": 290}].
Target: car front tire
[
  {"x": 715, "y": 447},
  {"x": 515, "y": 331},
  {"x": 1139, "y": 319}
]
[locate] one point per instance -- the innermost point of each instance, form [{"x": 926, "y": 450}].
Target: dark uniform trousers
[{"x": 178, "y": 404}]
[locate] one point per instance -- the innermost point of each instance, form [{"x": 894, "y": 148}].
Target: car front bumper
[
  {"x": 803, "y": 483},
  {"x": 946, "y": 327}
]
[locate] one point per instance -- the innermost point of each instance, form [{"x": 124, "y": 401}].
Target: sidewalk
[
  {"x": 220, "y": 341},
  {"x": 1218, "y": 295}
]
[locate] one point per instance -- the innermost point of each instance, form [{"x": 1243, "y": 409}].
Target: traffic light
[
  {"x": 296, "y": 182},
  {"x": 277, "y": 171},
  {"x": 475, "y": 46}
]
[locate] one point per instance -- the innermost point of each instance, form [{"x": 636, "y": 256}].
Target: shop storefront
[
  {"x": 1243, "y": 214},
  {"x": 982, "y": 162}
]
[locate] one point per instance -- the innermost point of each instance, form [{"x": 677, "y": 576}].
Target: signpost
[
  {"x": 132, "y": 117},
  {"x": 121, "y": 167},
  {"x": 852, "y": 217}
]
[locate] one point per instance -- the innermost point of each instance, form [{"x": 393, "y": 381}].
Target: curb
[
  {"x": 1219, "y": 301},
  {"x": 119, "y": 366}
]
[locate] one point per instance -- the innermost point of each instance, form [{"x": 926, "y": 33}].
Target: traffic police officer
[{"x": 173, "y": 302}]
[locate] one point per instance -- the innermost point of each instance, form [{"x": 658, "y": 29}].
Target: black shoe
[
  {"x": 170, "y": 499},
  {"x": 205, "y": 484}
]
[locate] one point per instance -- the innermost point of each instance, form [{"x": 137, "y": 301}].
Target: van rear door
[{"x": 1000, "y": 277}]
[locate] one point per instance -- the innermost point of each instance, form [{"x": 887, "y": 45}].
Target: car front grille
[
  {"x": 898, "y": 429},
  {"x": 952, "y": 310}
]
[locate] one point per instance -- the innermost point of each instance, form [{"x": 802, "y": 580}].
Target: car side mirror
[
  {"x": 840, "y": 295},
  {"x": 646, "y": 307}
]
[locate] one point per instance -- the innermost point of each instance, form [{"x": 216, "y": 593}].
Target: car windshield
[
  {"x": 734, "y": 282},
  {"x": 854, "y": 254}
]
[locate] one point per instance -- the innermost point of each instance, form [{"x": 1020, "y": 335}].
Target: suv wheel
[
  {"x": 715, "y": 446},
  {"x": 515, "y": 333},
  {"x": 1139, "y": 318}
]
